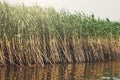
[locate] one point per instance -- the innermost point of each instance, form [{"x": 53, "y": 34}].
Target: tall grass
[{"x": 35, "y": 35}]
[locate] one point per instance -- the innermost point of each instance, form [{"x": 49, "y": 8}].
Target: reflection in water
[{"x": 101, "y": 71}]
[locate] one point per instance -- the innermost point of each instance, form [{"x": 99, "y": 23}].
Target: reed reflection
[{"x": 63, "y": 72}]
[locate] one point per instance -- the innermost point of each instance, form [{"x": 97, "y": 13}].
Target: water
[{"x": 98, "y": 71}]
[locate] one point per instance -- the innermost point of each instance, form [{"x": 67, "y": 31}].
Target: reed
[{"x": 35, "y": 35}]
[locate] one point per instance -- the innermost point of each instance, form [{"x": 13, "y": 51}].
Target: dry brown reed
[{"x": 58, "y": 51}]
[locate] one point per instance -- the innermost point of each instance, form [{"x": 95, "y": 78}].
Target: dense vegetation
[{"x": 35, "y": 35}]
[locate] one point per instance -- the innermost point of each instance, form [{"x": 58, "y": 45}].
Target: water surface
[{"x": 93, "y": 71}]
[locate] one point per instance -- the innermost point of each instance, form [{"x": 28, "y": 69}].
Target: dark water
[{"x": 100, "y": 71}]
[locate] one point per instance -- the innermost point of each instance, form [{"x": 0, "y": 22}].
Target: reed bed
[{"x": 34, "y": 35}]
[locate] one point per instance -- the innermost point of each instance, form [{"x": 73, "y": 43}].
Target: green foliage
[{"x": 22, "y": 21}]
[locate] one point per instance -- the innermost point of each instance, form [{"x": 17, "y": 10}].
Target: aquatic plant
[{"x": 35, "y": 35}]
